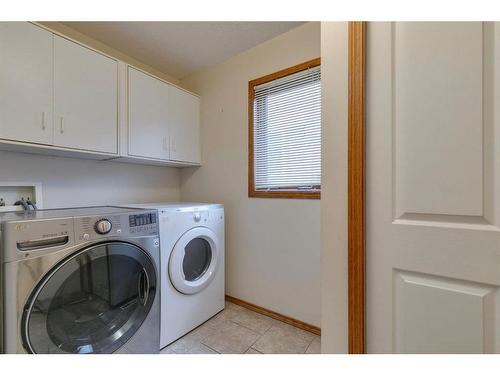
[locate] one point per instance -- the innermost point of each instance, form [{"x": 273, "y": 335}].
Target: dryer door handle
[{"x": 143, "y": 287}]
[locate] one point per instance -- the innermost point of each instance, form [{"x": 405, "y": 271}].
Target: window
[{"x": 284, "y": 113}]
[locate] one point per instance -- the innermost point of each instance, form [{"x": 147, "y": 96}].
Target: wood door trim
[
  {"x": 275, "y": 315},
  {"x": 356, "y": 188}
]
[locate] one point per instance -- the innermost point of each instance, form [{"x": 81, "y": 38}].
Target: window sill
[{"x": 285, "y": 194}]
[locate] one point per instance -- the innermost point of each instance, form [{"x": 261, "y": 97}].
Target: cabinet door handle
[
  {"x": 61, "y": 128},
  {"x": 43, "y": 120}
]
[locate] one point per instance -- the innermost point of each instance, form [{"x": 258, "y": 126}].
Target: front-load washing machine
[
  {"x": 79, "y": 281},
  {"x": 192, "y": 265}
]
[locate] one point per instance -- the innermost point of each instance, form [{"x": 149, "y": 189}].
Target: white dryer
[{"x": 192, "y": 265}]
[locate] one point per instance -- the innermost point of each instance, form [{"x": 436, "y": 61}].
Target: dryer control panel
[{"x": 208, "y": 216}]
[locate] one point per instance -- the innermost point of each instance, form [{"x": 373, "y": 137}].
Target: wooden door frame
[{"x": 356, "y": 188}]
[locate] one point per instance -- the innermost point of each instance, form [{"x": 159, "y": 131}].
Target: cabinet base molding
[
  {"x": 151, "y": 161},
  {"x": 50, "y": 150},
  {"x": 275, "y": 315}
]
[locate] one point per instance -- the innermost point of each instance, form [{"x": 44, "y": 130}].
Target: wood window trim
[
  {"x": 356, "y": 188},
  {"x": 287, "y": 194}
]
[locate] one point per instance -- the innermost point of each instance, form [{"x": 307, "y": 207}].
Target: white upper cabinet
[
  {"x": 59, "y": 97},
  {"x": 25, "y": 83},
  {"x": 184, "y": 123},
  {"x": 148, "y": 130},
  {"x": 85, "y": 98}
]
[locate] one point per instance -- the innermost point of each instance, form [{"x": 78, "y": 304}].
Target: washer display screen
[{"x": 142, "y": 219}]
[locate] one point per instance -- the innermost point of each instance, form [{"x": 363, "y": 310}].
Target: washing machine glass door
[
  {"x": 91, "y": 302},
  {"x": 194, "y": 260}
]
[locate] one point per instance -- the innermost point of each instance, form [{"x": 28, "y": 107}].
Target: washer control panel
[
  {"x": 96, "y": 227},
  {"x": 101, "y": 227}
]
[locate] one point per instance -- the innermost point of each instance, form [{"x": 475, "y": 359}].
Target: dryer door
[
  {"x": 194, "y": 260},
  {"x": 91, "y": 302}
]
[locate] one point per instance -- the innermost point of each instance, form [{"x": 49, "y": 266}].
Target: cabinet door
[
  {"x": 184, "y": 121},
  {"x": 25, "y": 83},
  {"x": 85, "y": 98},
  {"x": 148, "y": 116}
]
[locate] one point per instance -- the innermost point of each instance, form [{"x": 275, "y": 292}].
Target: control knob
[{"x": 103, "y": 226}]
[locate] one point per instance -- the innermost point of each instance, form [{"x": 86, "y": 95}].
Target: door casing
[{"x": 356, "y": 187}]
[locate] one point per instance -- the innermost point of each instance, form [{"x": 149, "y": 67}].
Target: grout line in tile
[
  {"x": 206, "y": 346},
  {"x": 257, "y": 339},
  {"x": 274, "y": 323},
  {"x": 255, "y": 349},
  {"x": 271, "y": 326},
  {"x": 254, "y": 331},
  {"x": 278, "y": 322},
  {"x": 258, "y": 335},
  {"x": 305, "y": 351}
]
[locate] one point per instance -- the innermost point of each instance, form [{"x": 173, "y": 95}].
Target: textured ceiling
[{"x": 182, "y": 48}]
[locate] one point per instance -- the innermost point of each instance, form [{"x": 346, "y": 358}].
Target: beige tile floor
[{"x": 237, "y": 330}]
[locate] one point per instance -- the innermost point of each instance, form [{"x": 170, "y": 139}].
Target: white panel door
[
  {"x": 433, "y": 179},
  {"x": 25, "y": 82},
  {"x": 148, "y": 127},
  {"x": 184, "y": 123},
  {"x": 85, "y": 98}
]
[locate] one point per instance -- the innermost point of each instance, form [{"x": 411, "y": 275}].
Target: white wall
[
  {"x": 272, "y": 245},
  {"x": 334, "y": 94},
  {"x": 70, "y": 182}
]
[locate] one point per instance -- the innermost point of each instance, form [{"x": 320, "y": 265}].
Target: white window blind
[{"x": 287, "y": 132}]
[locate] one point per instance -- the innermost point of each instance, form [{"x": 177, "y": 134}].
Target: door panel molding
[
  {"x": 356, "y": 188},
  {"x": 437, "y": 118},
  {"x": 419, "y": 329}
]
